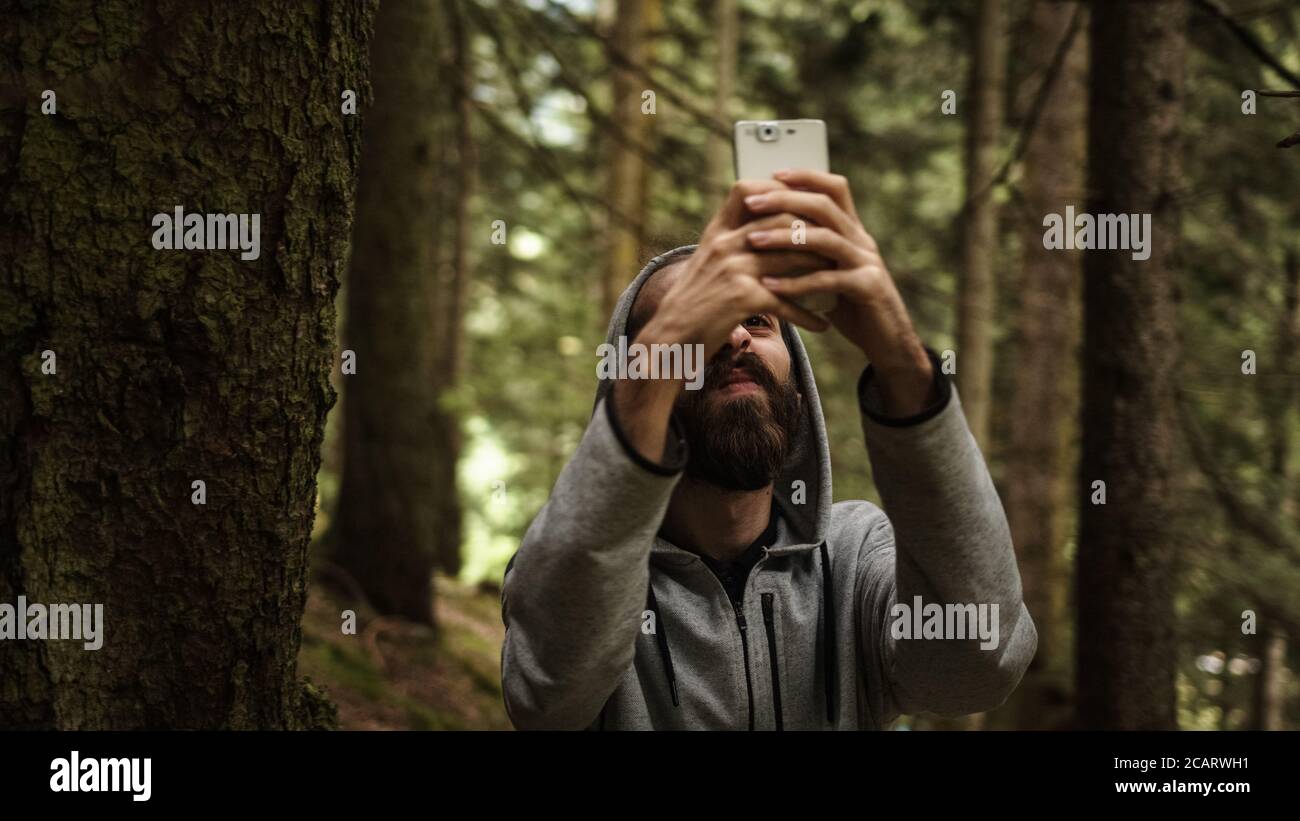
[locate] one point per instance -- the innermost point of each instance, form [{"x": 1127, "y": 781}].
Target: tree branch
[
  {"x": 1035, "y": 109},
  {"x": 1259, "y": 524},
  {"x": 1249, "y": 40}
]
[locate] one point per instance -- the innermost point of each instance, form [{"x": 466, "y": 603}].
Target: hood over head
[{"x": 807, "y": 473}]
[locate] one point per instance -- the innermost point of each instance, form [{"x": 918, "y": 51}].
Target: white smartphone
[{"x": 765, "y": 146}]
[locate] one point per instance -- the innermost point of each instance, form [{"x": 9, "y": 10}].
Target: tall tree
[
  {"x": 1270, "y": 684},
  {"x": 977, "y": 287},
  {"x": 1281, "y": 398},
  {"x": 627, "y": 165},
  {"x": 387, "y": 523},
  {"x": 726, "y": 21},
  {"x": 1280, "y": 404},
  {"x": 1046, "y": 372},
  {"x": 1125, "y": 654},
  {"x": 170, "y": 367},
  {"x": 453, "y": 294}
]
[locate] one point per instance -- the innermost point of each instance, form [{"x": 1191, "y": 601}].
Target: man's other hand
[
  {"x": 870, "y": 312},
  {"x": 720, "y": 286}
]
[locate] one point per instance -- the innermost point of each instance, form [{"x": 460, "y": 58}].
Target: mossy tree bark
[
  {"x": 172, "y": 366},
  {"x": 1125, "y": 646}
]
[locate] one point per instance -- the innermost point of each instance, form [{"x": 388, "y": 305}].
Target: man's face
[{"x": 741, "y": 423}]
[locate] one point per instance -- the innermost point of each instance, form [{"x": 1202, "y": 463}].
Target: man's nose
[{"x": 739, "y": 340}]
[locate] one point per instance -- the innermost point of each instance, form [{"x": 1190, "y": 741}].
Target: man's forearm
[
  {"x": 905, "y": 379},
  {"x": 573, "y": 594},
  {"x": 644, "y": 407},
  {"x": 952, "y": 546},
  {"x": 883, "y": 331}
]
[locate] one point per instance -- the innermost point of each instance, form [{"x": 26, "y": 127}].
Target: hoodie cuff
[
  {"x": 872, "y": 403},
  {"x": 675, "y": 450}
]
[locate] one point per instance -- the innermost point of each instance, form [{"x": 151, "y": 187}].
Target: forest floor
[{"x": 396, "y": 675}]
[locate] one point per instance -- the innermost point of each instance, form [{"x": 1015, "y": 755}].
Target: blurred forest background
[
  {"x": 506, "y": 168},
  {"x": 536, "y": 114}
]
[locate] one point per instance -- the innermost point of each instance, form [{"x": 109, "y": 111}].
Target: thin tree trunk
[
  {"x": 652, "y": 29},
  {"x": 1280, "y": 399},
  {"x": 171, "y": 366},
  {"x": 1125, "y": 659},
  {"x": 627, "y": 168},
  {"x": 977, "y": 289},
  {"x": 977, "y": 292},
  {"x": 1270, "y": 684},
  {"x": 447, "y": 431},
  {"x": 387, "y": 520},
  {"x": 727, "y": 25},
  {"x": 1282, "y": 395},
  {"x": 1045, "y": 381}
]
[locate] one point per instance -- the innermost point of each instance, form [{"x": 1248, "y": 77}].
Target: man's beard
[{"x": 740, "y": 442}]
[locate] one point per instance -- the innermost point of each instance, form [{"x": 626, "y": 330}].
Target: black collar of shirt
[{"x": 733, "y": 574}]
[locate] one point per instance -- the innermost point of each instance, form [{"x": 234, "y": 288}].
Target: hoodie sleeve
[
  {"x": 574, "y": 592},
  {"x": 947, "y": 541}
]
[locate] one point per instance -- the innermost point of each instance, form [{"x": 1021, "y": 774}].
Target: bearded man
[{"x": 690, "y": 570}]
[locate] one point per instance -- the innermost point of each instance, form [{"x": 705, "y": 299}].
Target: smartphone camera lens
[{"x": 768, "y": 132}]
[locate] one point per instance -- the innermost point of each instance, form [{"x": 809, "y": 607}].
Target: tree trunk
[
  {"x": 651, "y": 28},
  {"x": 387, "y": 521},
  {"x": 1270, "y": 684},
  {"x": 1125, "y": 659},
  {"x": 1046, "y": 372},
  {"x": 977, "y": 292},
  {"x": 976, "y": 295},
  {"x": 627, "y": 167},
  {"x": 1281, "y": 395},
  {"x": 727, "y": 23},
  {"x": 171, "y": 366},
  {"x": 1280, "y": 402},
  {"x": 455, "y": 295}
]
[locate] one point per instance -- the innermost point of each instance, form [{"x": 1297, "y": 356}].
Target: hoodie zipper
[
  {"x": 769, "y": 623},
  {"x": 743, "y": 626},
  {"x": 744, "y": 648}
]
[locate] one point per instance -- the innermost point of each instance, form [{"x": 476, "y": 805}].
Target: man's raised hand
[
  {"x": 721, "y": 284},
  {"x": 870, "y": 311}
]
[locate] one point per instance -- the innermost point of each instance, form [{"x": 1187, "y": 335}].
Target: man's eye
[{"x": 757, "y": 321}]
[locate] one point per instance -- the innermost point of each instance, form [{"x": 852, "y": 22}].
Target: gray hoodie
[{"x": 609, "y": 626}]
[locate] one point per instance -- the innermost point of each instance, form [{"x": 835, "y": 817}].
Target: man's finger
[
  {"x": 737, "y": 238},
  {"x": 784, "y": 263},
  {"x": 733, "y": 212},
  {"x": 817, "y": 282},
  {"x": 812, "y": 205},
  {"x": 822, "y": 241},
  {"x": 799, "y": 316},
  {"x": 834, "y": 186}
]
